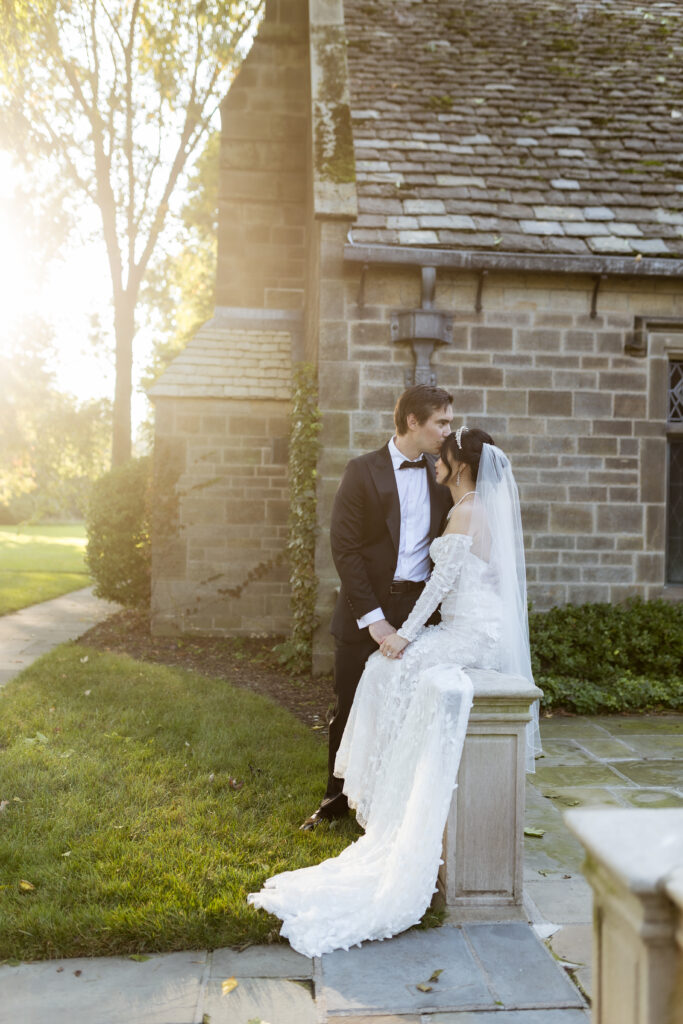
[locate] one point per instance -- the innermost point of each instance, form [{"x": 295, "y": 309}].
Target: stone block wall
[
  {"x": 224, "y": 464},
  {"x": 583, "y": 421},
  {"x": 264, "y": 167}
]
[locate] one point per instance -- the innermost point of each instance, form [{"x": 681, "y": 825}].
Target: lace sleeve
[{"x": 447, "y": 566}]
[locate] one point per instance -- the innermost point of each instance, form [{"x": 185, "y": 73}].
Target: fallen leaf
[
  {"x": 17, "y": 800},
  {"x": 67, "y": 853},
  {"x": 434, "y": 976},
  {"x": 86, "y": 693},
  {"x": 139, "y": 957},
  {"x": 211, "y": 777},
  {"x": 59, "y": 970},
  {"x": 537, "y": 832},
  {"x": 423, "y": 987},
  {"x": 26, "y": 886},
  {"x": 77, "y": 974},
  {"x": 228, "y": 985},
  {"x": 83, "y": 660}
]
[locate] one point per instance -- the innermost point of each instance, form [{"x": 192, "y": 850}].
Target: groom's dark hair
[{"x": 421, "y": 400}]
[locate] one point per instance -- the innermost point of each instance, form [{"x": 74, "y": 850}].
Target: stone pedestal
[
  {"x": 674, "y": 890},
  {"x": 634, "y": 864},
  {"x": 481, "y": 874}
]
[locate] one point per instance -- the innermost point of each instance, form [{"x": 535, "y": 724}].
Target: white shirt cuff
[{"x": 376, "y": 615}]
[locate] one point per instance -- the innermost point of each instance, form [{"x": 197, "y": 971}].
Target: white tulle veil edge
[{"x": 496, "y": 513}]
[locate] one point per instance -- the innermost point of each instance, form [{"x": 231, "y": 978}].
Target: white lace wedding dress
[{"x": 399, "y": 757}]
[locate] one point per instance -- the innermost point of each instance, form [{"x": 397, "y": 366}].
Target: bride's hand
[{"x": 393, "y": 646}]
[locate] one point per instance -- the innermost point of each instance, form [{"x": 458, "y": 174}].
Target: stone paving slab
[
  {"x": 660, "y": 747},
  {"x": 563, "y": 901},
  {"x": 382, "y": 976},
  {"x": 565, "y": 752},
  {"x": 650, "y": 798},
  {"x": 391, "y": 1018},
  {"x": 512, "y": 1017},
  {"x": 519, "y": 969},
  {"x": 608, "y": 748},
  {"x": 276, "y": 1000},
  {"x": 655, "y": 773},
  {"x": 585, "y": 796},
  {"x": 572, "y": 727},
  {"x": 106, "y": 990},
  {"x": 621, "y": 726},
  {"x": 260, "y": 962},
  {"x": 485, "y": 966},
  {"x": 595, "y": 774}
]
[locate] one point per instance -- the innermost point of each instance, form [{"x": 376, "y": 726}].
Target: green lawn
[
  {"x": 143, "y": 804},
  {"x": 40, "y": 562}
]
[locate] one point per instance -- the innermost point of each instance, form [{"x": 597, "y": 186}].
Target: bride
[{"x": 400, "y": 752}]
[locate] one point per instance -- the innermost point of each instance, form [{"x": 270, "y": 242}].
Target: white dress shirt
[{"x": 413, "y": 545}]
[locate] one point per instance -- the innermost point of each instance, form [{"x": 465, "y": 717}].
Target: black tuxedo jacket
[{"x": 364, "y": 534}]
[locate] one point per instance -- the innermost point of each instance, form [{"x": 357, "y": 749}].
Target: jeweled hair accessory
[{"x": 458, "y": 436}]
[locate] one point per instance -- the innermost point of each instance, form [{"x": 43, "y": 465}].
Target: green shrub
[
  {"x": 625, "y": 693},
  {"x": 119, "y": 552},
  {"x": 592, "y": 641},
  {"x": 603, "y": 657}
]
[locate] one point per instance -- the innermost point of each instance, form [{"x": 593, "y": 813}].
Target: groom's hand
[{"x": 379, "y": 630}]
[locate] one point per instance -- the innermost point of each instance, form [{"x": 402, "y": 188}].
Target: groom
[{"x": 386, "y": 513}]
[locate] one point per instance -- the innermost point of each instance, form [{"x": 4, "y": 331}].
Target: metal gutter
[{"x": 413, "y": 256}]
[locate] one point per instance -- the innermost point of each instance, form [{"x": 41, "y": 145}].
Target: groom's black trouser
[{"x": 349, "y": 662}]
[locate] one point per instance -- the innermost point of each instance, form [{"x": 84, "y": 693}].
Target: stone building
[{"x": 489, "y": 195}]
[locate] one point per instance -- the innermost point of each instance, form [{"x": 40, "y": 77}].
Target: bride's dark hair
[{"x": 472, "y": 441}]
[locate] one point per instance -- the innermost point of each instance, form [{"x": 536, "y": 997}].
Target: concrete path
[
  {"x": 26, "y": 634},
  {"x": 489, "y": 973}
]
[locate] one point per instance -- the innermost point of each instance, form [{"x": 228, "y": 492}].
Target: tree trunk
[{"x": 124, "y": 326}]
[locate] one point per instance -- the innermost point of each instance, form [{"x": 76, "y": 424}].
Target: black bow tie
[{"x": 420, "y": 464}]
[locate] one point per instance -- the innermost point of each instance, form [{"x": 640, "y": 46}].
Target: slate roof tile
[{"x": 528, "y": 105}]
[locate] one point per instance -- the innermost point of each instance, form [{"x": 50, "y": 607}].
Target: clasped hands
[{"x": 390, "y": 643}]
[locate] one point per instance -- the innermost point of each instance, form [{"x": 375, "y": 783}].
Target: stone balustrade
[
  {"x": 482, "y": 870},
  {"x": 634, "y": 863}
]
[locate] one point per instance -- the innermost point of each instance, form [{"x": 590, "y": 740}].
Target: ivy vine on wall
[{"x": 304, "y": 447}]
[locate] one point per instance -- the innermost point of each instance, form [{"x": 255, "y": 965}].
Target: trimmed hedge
[
  {"x": 600, "y": 657},
  {"x": 117, "y": 523}
]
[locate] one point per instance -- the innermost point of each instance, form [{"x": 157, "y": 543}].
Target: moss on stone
[{"x": 333, "y": 135}]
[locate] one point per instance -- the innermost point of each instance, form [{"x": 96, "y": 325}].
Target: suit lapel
[{"x": 384, "y": 480}]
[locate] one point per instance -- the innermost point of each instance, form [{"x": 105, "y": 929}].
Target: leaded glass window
[
  {"x": 674, "y": 539},
  {"x": 675, "y": 392}
]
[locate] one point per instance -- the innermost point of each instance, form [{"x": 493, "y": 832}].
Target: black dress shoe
[
  {"x": 313, "y": 821},
  {"x": 322, "y": 814}
]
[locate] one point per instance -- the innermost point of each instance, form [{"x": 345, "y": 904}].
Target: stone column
[
  {"x": 482, "y": 870},
  {"x": 634, "y": 863}
]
